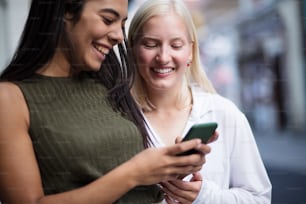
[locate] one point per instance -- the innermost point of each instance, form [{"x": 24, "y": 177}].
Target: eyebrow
[
  {"x": 112, "y": 11},
  {"x": 157, "y": 39},
  {"x": 149, "y": 38}
]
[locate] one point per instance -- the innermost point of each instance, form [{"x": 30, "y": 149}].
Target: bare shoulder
[
  {"x": 9, "y": 90},
  {"x": 12, "y": 102}
]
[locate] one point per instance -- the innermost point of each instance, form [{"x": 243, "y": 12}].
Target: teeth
[
  {"x": 163, "y": 71},
  {"x": 101, "y": 49}
]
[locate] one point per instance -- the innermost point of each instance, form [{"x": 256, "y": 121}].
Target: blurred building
[{"x": 254, "y": 53}]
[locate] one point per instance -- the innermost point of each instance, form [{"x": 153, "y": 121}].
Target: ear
[
  {"x": 191, "y": 50},
  {"x": 67, "y": 17},
  {"x": 188, "y": 63}
]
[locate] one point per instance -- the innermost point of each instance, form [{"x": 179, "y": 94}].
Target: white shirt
[{"x": 234, "y": 172}]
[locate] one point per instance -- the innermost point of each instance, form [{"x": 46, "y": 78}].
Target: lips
[{"x": 102, "y": 49}]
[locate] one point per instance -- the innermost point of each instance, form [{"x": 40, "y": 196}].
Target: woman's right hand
[{"x": 154, "y": 165}]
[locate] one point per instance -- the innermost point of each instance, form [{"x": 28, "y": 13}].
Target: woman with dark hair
[{"x": 70, "y": 132}]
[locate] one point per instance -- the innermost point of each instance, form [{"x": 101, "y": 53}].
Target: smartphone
[{"x": 204, "y": 131}]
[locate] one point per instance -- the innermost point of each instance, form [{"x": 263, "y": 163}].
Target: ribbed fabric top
[{"x": 78, "y": 137}]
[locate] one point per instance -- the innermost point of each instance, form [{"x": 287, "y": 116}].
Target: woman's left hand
[{"x": 183, "y": 192}]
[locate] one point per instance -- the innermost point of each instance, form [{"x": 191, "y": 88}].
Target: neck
[
  {"x": 170, "y": 115},
  {"x": 57, "y": 67},
  {"x": 171, "y": 100}
]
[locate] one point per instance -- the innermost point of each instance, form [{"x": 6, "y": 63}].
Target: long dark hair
[{"x": 42, "y": 33}]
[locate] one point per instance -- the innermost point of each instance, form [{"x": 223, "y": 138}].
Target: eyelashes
[
  {"x": 107, "y": 21},
  {"x": 154, "y": 45}
]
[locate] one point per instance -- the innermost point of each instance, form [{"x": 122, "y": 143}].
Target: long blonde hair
[{"x": 195, "y": 73}]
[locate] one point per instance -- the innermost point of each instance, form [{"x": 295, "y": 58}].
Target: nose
[
  {"x": 163, "y": 56},
  {"x": 116, "y": 36}
]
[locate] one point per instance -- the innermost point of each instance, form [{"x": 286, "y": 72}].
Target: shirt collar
[{"x": 202, "y": 103}]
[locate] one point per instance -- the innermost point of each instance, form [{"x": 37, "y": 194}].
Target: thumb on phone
[{"x": 213, "y": 138}]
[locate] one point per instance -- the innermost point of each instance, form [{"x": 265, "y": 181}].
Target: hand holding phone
[{"x": 203, "y": 131}]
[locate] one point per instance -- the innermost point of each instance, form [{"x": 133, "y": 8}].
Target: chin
[
  {"x": 96, "y": 69},
  {"x": 93, "y": 67}
]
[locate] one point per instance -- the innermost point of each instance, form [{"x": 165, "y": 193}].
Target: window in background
[
  {"x": 3, "y": 34},
  {"x": 13, "y": 14}
]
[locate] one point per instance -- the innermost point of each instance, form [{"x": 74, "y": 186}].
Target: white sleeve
[{"x": 249, "y": 182}]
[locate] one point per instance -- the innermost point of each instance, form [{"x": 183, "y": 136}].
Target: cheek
[
  {"x": 76, "y": 37},
  {"x": 182, "y": 58},
  {"x": 144, "y": 57}
]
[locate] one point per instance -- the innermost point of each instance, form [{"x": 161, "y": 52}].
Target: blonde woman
[{"x": 174, "y": 93}]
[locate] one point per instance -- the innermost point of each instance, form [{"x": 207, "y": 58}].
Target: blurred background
[{"x": 254, "y": 53}]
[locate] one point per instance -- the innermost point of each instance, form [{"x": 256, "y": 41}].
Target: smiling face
[
  {"x": 96, "y": 32},
  {"x": 162, "y": 52}
]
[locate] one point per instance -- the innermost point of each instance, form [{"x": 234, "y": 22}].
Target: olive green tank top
[{"x": 78, "y": 137}]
